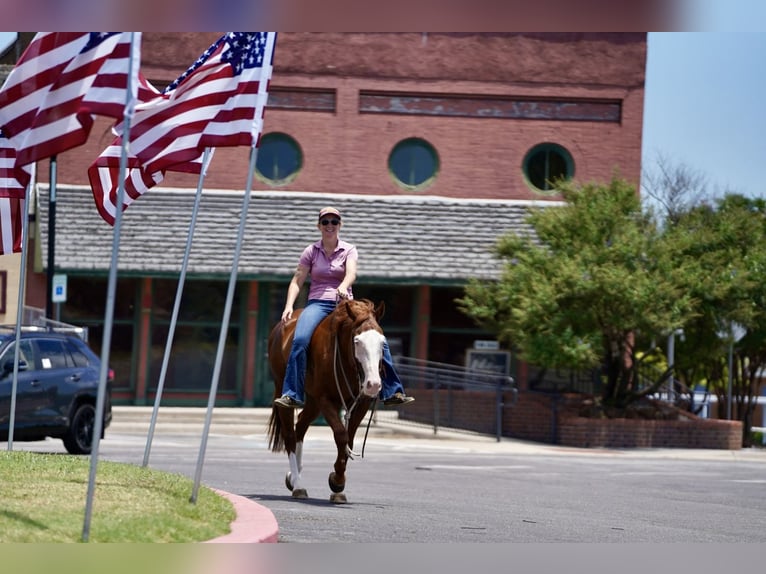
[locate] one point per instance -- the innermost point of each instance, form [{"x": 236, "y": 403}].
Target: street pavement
[{"x": 414, "y": 485}]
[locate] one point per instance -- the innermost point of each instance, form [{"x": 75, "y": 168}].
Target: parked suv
[{"x": 57, "y": 387}]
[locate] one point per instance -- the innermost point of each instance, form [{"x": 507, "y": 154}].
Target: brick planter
[
  {"x": 637, "y": 433},
  {"x": 553, "y": 419}
]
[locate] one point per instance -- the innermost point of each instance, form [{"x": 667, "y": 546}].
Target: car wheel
[{"x": 79, "y": 438}]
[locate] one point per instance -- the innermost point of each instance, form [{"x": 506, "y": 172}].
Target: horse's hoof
[
  {"x": 338, "y": 498},
  {"x": 288, "y": 481},
  {"x": 300, "y": 493},
  {"x": 335, "y": 486}
]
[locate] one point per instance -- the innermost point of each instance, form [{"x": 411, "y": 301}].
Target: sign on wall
[{"x": 498, "y": 362}]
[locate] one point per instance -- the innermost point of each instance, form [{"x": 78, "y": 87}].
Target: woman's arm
[
  {"x": 348, "y": 280},
  {"x": 299, "y": 277}
]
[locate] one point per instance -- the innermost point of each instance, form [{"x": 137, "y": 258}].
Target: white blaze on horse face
[{"x": 368, "y": 350}]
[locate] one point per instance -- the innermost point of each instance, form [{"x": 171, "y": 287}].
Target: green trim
[
  {"x": 263, "y": 277},
  {"x": 293, "y": 147},
  {"x": 549, "y": 149},
  {"x": 408, "y": 146}
]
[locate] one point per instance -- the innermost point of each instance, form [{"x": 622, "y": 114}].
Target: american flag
[
  {"x": 13, "y": 185},
  {"x": 12, "y": 213},
  {"x": 218, "y": 101},
  {"x": 61, "y": 79},
  {"x": 13, "y": 178}
]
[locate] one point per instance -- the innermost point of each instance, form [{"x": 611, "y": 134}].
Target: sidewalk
[
  {"x": 255, "y": 523},
  {"x": 386, "y": 426}
]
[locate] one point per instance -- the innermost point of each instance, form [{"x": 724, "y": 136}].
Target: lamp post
[
  {"x": 734, "y": 334},
  {"x": 672, "y": 360}
]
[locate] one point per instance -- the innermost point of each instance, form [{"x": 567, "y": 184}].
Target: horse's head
[{"x": 368, "y": 341}]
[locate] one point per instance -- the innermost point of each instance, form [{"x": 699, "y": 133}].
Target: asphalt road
[{"x": 477, "y": 490}]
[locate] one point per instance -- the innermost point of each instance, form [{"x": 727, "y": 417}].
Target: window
[
  {"x": 545, "y": 164},
  {"x": 413, "y": 163},
  {"x": 53, "y": 355},
  {"x": 279, "y": 158},
  {"x": 80, "y": 360},
  {"x": 25, "y": 354}
]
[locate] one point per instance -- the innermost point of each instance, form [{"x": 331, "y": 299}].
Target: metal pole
[
  {"x": 110, "y": 292},
  {"x": 51, "y": 239},
  {"x": 176, "y": 306},
  {"x": 671, "y": 363},
  {"x": 19, "y": 317},
  {"x": 731, "y": 367},
  {"x": 224, "y": 326},
  {"x": 499, "y": 409},
  {"x": 436, "y": 403}
]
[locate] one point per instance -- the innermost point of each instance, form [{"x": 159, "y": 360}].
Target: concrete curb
[{"x": 253, "y": 524}]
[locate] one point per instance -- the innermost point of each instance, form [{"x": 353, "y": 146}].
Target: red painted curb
[{"x": 254, "y": 523}]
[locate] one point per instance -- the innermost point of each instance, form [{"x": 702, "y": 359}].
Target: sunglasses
[{"x": 330, "y": 221}]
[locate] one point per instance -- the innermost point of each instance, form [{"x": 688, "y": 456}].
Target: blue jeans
[{"x": 309, "y": 319}]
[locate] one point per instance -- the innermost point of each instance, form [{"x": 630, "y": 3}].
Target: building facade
[{"x": 432, "y": 145}]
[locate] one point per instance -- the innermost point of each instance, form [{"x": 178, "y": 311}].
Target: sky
[{"x": 704, "y": 105}]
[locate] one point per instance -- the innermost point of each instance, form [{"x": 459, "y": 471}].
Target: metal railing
[{"x": 450, "y": 386}]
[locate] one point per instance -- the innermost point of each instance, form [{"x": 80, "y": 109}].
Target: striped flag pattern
[
  {"x": 218, "y": 101},
  {"x": 61, "y": 79},
  {"x": 13, "y": 178},
  {"x": 13, "y": 186}
]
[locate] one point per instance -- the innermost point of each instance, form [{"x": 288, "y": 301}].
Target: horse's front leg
[
  {"x": 294, "y": 453},
  {"x": 337, "y": 478},
  {"x": 295, "y": 458}
]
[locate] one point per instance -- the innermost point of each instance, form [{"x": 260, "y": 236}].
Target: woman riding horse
[
  {"x": 343, "y": 376},
  {"x": 331, "y": 263}
]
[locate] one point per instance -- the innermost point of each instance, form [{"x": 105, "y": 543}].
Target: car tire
[{"x": 79, "y": 437}]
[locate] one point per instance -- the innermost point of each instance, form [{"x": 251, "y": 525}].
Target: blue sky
[{"x": 704, "y": 105}]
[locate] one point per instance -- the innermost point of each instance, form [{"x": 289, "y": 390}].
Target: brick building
[{"x": 431, "y": 144}]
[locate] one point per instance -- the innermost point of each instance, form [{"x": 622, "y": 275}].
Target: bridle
[{"x": 347, "y": 410}]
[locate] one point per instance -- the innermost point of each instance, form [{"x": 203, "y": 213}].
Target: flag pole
[
  {"x": 224, "y": 325},
  {"x": 206, "y": 156},
  {"x": 19, "y": 313},
  {"x": 51, "y": 237},
  {"x": 130, "y": 102},
  {"x": 255, "y": 131}
]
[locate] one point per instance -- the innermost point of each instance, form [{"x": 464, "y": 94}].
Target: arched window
[
  {"x": 546, "y": 163},
  {"x": 413, "y": 163},
  {"x": 279, "y": 158}
]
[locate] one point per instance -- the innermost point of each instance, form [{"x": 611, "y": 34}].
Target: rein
[{"x": 348, "y": 410}]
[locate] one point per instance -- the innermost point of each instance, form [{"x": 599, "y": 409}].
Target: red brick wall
[
  {"x": 534, "y": 416},
  {"x": 347, "y": 151}
]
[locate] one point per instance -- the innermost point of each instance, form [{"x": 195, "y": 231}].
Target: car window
[
  {"x": 25, "y": 354},
  {"x": 80, "y": 359},
  {"x": 53, "y": 355}
]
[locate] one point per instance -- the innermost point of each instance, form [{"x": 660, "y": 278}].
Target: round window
[
  {"x": 413, "y": 163},
  {"x": 279, "y": 158},
  {"x": 545, "y": 164}
]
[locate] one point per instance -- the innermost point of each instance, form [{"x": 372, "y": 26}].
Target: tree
[
  {"x": 674, "y": 188},
  {"x": 597, "y": 274},
  {"x": 726, "y": 243}
]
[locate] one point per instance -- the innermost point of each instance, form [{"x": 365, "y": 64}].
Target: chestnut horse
[{"x": 342, "y": 375}]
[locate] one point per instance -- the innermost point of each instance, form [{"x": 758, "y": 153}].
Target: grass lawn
[{"x": 43, "y": 500}]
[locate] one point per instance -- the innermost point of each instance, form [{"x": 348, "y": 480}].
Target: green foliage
[
  {"x": 597, "y": 273},
  {"x": 726, "y": 243},
  {"x": 601, "y": 279}
]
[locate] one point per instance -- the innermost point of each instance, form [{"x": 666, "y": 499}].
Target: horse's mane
[{"x": 353, "y": 311}]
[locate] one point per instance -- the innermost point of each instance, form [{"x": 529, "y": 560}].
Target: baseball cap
[{"x": 329, "y": 211}]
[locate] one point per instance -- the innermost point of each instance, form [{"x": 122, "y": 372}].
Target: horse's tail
[{"x": 276, "y": 441}]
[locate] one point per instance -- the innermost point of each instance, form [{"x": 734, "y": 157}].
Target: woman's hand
[
  {"x": 287, "y": 314},
  {"x": 343, "y": 293}
]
